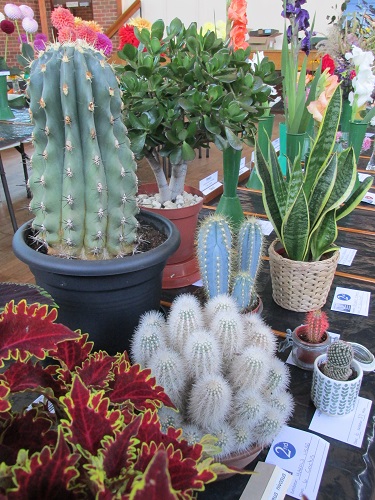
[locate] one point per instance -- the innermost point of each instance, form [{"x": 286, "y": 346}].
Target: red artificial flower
[
  {"x": 126, "y": 34},
  {"x": 352, "y": 74},
  {"x": 328, "y": 63},
  {"x": 7, "y": 26}
]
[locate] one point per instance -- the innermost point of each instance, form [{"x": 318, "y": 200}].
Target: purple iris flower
[
  {"x": 305, "y": 43},
  {"x": 302, "y": 19}
]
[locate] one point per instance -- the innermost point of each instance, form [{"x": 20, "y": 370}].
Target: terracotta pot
[
  {"x": 305, "y": 353},
  {"x": 182, "y": 267},
  {"x": 240, "y": 460}
]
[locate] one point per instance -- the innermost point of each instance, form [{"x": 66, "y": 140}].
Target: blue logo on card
[
  {"x": 284, "y": 450},
  {"x": 343, "y": 296}
]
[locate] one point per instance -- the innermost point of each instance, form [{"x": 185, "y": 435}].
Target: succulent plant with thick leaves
[
  {"x": 188, "y": 90},
  {"x": 229, "y": 263},
  {"x": 83, "y": 179},
  {"x": 231, "y": 384},
  {"x": 305, "y": 206}
]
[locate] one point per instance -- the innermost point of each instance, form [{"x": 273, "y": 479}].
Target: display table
[{"x": 349, "y": 471}]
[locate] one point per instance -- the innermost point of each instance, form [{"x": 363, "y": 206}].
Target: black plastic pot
[{"x": 103, "y": 298}]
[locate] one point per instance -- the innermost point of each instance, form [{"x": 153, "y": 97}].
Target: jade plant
[
  {"x": 340, "y": 355},
  {"x": 83, "y": 177},
  {"x": 92, "y": 428},
  {"x": 183, "y": 90},
  {"x": 304, "y": 207},
  {"x": 220, "y": 370},
  {"x": 229, "y": 261}
]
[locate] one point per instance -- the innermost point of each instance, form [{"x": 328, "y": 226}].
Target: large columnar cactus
[
  {"x": 229, "y": 263},
  {"x": 339, "y": 359},
  {"x": 83, "y": 180},
  {"x": 221, "y": 372}
]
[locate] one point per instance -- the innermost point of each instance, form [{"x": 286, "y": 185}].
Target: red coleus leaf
[
  {"x": 30, "y": 431},
  {"x": 47, "y": 475},
  {"x": 118, "y": 451},
  {"x": 71, "y": 354},
  {"x": 131, "y": 382},
  {"x": 89, "y": 419},
  {"x": 156, "y": 481},
  {"x": 96, "y": 370},
  {"x": 4, "y": 393},
  {"x": 28, "y": 376},
  {"x": 29, "y": 330}
]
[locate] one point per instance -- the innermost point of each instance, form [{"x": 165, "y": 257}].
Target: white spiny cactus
[
  {"x": 210, "y": 401},
  {"x": 148, "y": 337},
  {"x": 269, "y": 426},
  {"x": 249, "y": 404},
  {"x": 225, "y": 438},
  {"x": 228, "y": 329},
  {"x": 243, "y": 433},
  {"x": 277, "y": 377},
  {"x": 202, "y": 354},
  {"x": 218, "y": 304},
  {"x": 184, "y": 318},
  {"x": 192, "y": 433},
  {"x": 258, "y": 334},
  {"x": 283, "y": 402},
  {"x": 169, "y": 369},
  {"x": 249, "y": 369},
  {"x": 169, "y": 418}
]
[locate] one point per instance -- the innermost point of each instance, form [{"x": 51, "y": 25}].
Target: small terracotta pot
[{"x": 305, "y": 353}]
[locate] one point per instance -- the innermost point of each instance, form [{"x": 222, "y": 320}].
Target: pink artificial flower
[
  {"x": 61, "y": 18},
  {"x": 66, "y": 34},
  {"x": 29, "y": 25},
  {"x": 338, "y": 136},
  {"x": 318, "y": 107},
  {"x": 366, "y": 145},
  {"x": 86, "y": 33},
  {"x": 104, "y": 43},
  {"x": 13, "y": 11}
]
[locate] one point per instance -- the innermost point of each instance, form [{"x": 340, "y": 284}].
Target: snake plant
[{"x": 305, "y": 206}]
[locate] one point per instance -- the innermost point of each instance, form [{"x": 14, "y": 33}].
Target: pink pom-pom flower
[{"x": 29, "y": 25}]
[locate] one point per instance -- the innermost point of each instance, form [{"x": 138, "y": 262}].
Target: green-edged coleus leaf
[
  {"x": 156, "y": 482},
  {"x": 132, "y": 383},
  {"x": 20, "y": 433},
  {"x": 71, "y": 354},
  {"x": 96, "y": 370},
  {"x": 322, "y": 239},
  {"x": 89, "y": 419},
  {"x": 28, "y": 376},
  {"x": 18, "y": 291},
  {"x": 119, "y": 450},
  {"x": 47, "y": 474},
  {"x": 5, "y": 405},
  {"x": 296, "y": 222},
  {"x": 30, "y": 331}
]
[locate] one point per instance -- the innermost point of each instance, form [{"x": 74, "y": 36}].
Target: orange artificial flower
[
  {"x": 318, "y": 107},
  {"x": 237, "y": 11},
  {"x": 237, "y": 37}
]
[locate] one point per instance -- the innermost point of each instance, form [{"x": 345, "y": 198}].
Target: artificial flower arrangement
[
  {"x": 30, "y": 40},
  {"x": 127, "y": 34},
  {"x": 95, "y": 432},
  {"x": 71, "y": 28}
]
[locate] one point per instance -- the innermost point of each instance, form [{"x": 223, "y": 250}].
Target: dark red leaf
[
  {"x": 96, "y": 370},
  {"x": 89, "y": 420},
  {"x": 156, "y": 482},
  {"x": 73, "y": 353},
  {"x": 30, "y": 431},
  {"x": 29, "y": 330},
  {"x": 24, "y": 291},
  {"x": 131, "y": 382},
  {"x": 48, "y": 474}
]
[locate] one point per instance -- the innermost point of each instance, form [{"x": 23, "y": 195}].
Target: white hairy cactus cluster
[{"x": 220, "y": 370}]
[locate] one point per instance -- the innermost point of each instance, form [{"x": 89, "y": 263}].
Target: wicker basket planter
[{"x": 300, "y": 286}]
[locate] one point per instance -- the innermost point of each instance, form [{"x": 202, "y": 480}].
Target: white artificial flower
[
  {"x": 2, "y": 17},
  {"x": 27, "y": 11},
  {"x": 29, "y": 25},
  {"x": 257, "y": 58},
  {"x": 360, "y": 57}
]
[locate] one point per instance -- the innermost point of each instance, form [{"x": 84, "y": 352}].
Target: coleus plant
[{"x": 101, "y": 438}]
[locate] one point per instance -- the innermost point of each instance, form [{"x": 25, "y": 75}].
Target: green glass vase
[
  {"x": 282, "y": 155},
  {"x": 265, "y": 127},
  {"x": 229, "y": 204},
  {"x": 5, "y": 112},
  {"x": 346, "y": 114},
  {"x": 357, "y": 132},
  {"x": 295, "y": 144}
]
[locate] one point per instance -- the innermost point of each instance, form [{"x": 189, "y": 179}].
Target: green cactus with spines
[
  {"x": 339, "y": 359},
  {"x": 229, "y": 262},
  {"x": 83, "y": 181}
]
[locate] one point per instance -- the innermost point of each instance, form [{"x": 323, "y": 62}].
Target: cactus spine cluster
[
  {"x": 224, "y": 270},
  {"x": 316, "y": 326},
  {"x": 229, "y": 382},
  {"x": 83, "y": 180},
  {"x": 339, "y": 359}
]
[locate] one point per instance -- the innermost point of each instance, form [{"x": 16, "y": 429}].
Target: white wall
[{"x": 260, "y": 13}]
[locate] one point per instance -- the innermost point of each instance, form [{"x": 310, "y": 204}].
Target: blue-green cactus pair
[
  {"x": 229, "y": 263},
  {"x": 83, "y": 180}
]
